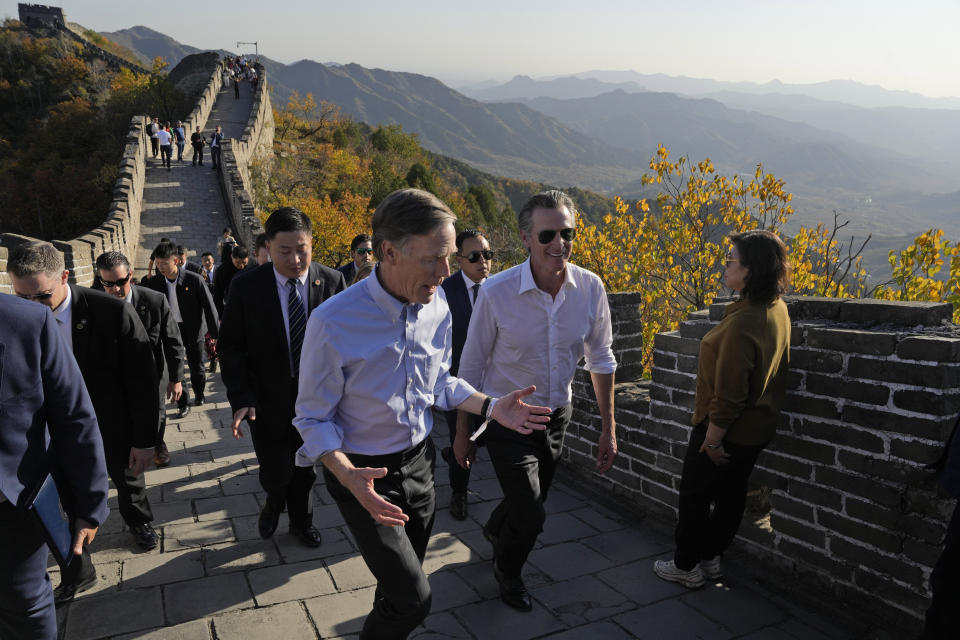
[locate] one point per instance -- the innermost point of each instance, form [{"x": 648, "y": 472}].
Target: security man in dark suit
[
  {"x": 185, "y": 264},
  {"x": 260, "y": 340},
  {"x": 114, "y": 277},
  {"x": 42, "y": 395},
  {"x": 475, "y": 259},
  {"x": 192, "y": 307},
  {"x": 114, "y": 355},
  {"x": 943, "y": 616},
  {"x": 361, "y": 253}
]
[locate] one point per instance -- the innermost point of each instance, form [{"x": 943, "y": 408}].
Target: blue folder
[{"x": 53, "y": 521}]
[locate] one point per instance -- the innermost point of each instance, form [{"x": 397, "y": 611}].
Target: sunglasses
[
  {"x": 37, "y": 296},
  {"x": 547, "y": 235},
  {"x": 474, "y": 256},
  {"x": 115, "y": 283},
  {"x": 363, "y": 250}
]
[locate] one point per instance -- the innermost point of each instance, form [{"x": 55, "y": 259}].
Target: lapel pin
[{"x": 316, "y": 283}]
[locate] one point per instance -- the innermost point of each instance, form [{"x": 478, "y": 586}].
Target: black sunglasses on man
[
  {"x": 547, "y": 235},
  {"x": 474, "y": 256}
]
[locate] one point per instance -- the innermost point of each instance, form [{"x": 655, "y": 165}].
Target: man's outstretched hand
[{"x": 513, "y": 413}]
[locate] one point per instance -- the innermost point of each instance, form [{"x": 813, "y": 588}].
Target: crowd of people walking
[{"x": 340, "y": 370}]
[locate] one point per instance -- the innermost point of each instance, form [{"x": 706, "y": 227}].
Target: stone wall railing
[
  {"x": 841, "y": 500},
  {"x": 255, "y": 142},
  {"x": 121, "y": 229}
]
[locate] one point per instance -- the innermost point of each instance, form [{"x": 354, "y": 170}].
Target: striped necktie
[{"x": 298, "y": 323}]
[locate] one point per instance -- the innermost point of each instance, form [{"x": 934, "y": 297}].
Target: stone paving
[
  {"x": 185, "y": 203},
  {"x": 213, "y": 578}
]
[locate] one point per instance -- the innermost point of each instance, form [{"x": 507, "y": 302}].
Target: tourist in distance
[
  {"x": 741, "y": 383},
  {"x": 531, "y": 325},
  {"x": 376, "y": 359},
  {"x": 197, "y": 140},
  {"x": 180, "y": 138},
  {"x": 475, "y": 259},
  {"x": 165, "y": 140}
]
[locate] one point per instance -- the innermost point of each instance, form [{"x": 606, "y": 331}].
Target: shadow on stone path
[
  {"x": 590, "y": 575},
  {"x": 185, "y": 203}
]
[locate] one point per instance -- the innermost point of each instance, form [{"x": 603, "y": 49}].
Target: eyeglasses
[
  {"x": 547, "y": 235},
  {"x": 46, "y": 295},
  {"x": 115, "y": 283},
  {"x": 474, "y": 256},
  {"x": 363, "y": 250},
  {"x": 730, "y": 259}
]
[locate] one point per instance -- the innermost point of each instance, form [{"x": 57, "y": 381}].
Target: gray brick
[
  {"x": 810, "y": 360},
  {"x": 841, "y": 434},
  {"x": 860, "y": 391},
  {"x": 672, "y": 342},
  {"x": 852, "y": 341},
  {"x": 935, "y": 348},
  {"x": 885, "y": 420},
  {"x": 869, "y": 312},
  {"x": 865, "y": 487},
  {"x": 920, "y": 375}
]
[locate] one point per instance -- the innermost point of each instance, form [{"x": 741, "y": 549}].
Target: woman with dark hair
[{"x": 741, "y": 382}]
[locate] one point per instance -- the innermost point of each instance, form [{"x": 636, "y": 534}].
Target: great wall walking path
[
  {"x": 213, "y": 578},
  {"x": 185, "y": 203}
]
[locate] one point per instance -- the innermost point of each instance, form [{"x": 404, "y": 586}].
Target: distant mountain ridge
[{"x": 604, "y": 142}]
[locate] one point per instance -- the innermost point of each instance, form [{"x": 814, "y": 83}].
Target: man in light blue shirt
[{"x": 376, "y": 359}]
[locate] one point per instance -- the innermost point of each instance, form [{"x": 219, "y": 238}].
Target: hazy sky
[{"x": 912, "y": 45}]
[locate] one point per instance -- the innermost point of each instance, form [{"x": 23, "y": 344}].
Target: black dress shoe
[
  {"x": 66, "y": 592},
  {"x": 447, "y": 454},
  {"x": 458, "y": 506},
  {"x": 183, "y": 412},
  {"x": 490, "y": 536},
  {"x": 308, "y": 536},
  {"x": 145, "y": 536},
  {"x": 269, "y": 517},
  {"x": 213, "y": 366},
  {"x": 512, "y": 591},
  {"x": 198, "y": 401}
]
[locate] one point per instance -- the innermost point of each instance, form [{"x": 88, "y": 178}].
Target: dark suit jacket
[
  {"x": 196, "y": 304},
  {"x": 42, "y": 391},
  {"x": 253, "y": 350},
  {"x": 349, "y": 271},
  {"x": 195, "y": 268},
  {"x": 154, "y": 312},
  {"x": 115, "y": 357},
  {"x": 458, "y": 300}
]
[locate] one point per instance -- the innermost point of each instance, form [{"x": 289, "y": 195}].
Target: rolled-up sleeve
[
  {"x": 597, "y": 353},
  {"x": 319, "y": 393}
]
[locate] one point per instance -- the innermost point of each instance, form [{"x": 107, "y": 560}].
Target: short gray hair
[
  {"x": 552, "y": 199},
  {"x": 33, "y": 258},
  {"x": 405, "y": 213}
]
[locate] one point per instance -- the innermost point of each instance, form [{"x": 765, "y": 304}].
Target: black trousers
[
  {"x": 236, "y": 88},
  {"x": 525, "y": 466},
  {"x": 702, "y": 534},
  {"x": 26, "y": 598},
  {"x": 943, "y": 616},
  {"x": 276, "y": 444},
  {"x": 394, "y": 555},
  {"x": 198, "y": 376},
  {"x": 166, "y": 151},
  {"x": 155, "y": 146},
  {"x": 459, "y": 477},
  {"x": 215, "y": 156},
  {"x": 197, "y": 154}
]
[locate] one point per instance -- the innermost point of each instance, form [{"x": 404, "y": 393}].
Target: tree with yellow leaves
[{"x": 915, "y": 272}]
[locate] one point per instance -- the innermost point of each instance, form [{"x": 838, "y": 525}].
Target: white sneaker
[
  {"x": 711, "y": 568},
  {"x": 667, "y": 570}
]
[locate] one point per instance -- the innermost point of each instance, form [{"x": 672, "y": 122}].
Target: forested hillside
[{"x": 63, "y": 121}]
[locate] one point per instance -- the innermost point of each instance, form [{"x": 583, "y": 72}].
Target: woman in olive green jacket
[{"x": 741, "y": 382}]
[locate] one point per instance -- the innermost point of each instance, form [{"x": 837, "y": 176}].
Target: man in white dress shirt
[
  {"x": 376, "y": 359},
  {"x": 530, "y": 326}
]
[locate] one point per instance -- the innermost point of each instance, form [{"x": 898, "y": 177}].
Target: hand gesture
[
  {"x": 718, "y": 456},
  {"x": 465, "y": 450},
  {"x": 513, "y": 413},
  {"x": 245, "y": 412},
  {"x": 85, "y": 534},
  {"x": 360, "y": 484},
  {"x": 606, "y": 450}
]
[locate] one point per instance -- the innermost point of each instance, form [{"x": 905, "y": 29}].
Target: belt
[{"x": 397, "y": 459}]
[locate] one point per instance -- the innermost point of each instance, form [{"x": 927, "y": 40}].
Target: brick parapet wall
[
  {"x": 256, "y": 142},
  {"x": 842, "y": 499},
  {"x": 120, "y": 230}
]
